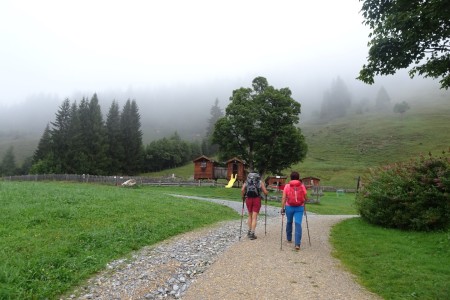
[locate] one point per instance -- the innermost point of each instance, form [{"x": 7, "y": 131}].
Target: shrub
[{"x": 413, "y": 195}]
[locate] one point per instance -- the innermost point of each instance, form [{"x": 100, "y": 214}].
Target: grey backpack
[{"x": 253, "y": 185}]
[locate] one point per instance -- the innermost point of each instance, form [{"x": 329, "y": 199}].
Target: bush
[{"x": 412, "y": 195}]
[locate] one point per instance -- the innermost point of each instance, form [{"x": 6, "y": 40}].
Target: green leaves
[
  {"x": 407, "y": 33},
  {"x": 259, "y": 127},
  {"x": 412, "y": 195}
]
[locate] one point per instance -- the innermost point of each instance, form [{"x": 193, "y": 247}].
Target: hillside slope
[{"x": 342, "y": 150}]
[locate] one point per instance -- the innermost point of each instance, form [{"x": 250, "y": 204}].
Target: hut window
[{"x": 203, "y": 165}]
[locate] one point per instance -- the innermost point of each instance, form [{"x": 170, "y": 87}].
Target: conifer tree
[
  {"x": 44, "y": 148},
  {"x": 98, "y": 146},
  {"x": 382, "y": 101},
  {"x": 216, "y": 113},
  {"x": 336, "y": 101},
  {"x": 74, "y": 165},
  {"x": 8, "y": 166},
  {"x": 43, "y": 161},
  {"x": 130, "y": 125},
  {"x": 113, "y": 133},
  {"x": 93, "y": 144},
  {"x": 81, "y": 126},
  {"x": 60, "y": 137}
]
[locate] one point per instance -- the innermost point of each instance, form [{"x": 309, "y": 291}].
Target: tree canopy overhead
[
  {"x": 404, "y": 33},
  {"x": 259, "y": 127}
]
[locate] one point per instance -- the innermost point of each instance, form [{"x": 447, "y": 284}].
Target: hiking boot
[
  {"x": 252, "y": 236},
  {"x": 249, "y": 234},
  {"x": 289, "y": 241},
  {"x": 297, "y": 247}
]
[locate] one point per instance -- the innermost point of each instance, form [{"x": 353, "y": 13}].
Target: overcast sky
[{"x": 62, "y": 47}]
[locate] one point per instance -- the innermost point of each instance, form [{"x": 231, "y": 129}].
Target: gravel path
[{"x": 212, "y": 263}]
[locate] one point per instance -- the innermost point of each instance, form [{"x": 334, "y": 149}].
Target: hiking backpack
[
  {"x": 253, "y": 185},
  {"x": 295, "y": 195}
]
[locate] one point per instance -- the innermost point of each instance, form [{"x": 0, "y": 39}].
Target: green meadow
[{"x": 54, "y": 235}]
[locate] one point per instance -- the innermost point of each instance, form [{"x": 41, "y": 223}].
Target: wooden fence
[
  {"x": 111, "y": 180},
  {"x": 118, "y": 180}
]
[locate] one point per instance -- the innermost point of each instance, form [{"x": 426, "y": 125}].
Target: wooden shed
[
  {"x": 315, "y": 190},
  {"x": 236, "y": 166},
  {"x": 204, "y": 168},
  {"x": 276, "y": 182},
  {"x": 310, "y": 182}
]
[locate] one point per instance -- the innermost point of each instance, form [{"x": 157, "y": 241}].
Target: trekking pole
[
  {"x": 281, "y": 240},
  {"x": 307, "y": 226},
  {"x": 242, "y": 217},
  {"x": 265, "y": 218}
]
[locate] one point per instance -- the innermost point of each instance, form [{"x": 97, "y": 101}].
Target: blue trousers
[{"x": 294, "y": 214}]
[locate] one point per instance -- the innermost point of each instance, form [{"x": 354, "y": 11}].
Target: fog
[{"x": 175, "y": 58}]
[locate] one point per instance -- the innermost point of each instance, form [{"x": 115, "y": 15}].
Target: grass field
[
  {"x": 392, "y": 263},
  {"x": 54, "y": 235}
]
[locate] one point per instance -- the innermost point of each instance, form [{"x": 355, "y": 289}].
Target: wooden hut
[
  {"x": 204, "y": 168},
  {"x": 276, "y": 182},
  {"x": 310, "y": 182},
  {"x": 314, "y": 189},
  {"x": 236, "y": 166}
]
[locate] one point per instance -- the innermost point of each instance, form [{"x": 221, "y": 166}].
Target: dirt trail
[{"x": 259, "y": 269}]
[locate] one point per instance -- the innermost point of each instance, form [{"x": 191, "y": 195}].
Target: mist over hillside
[{"x": 186, "y": 108}]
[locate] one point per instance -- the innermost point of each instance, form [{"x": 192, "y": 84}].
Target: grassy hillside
[{"x": 342, "y": 150}]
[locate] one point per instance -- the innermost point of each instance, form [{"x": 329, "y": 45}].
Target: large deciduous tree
[
  {"x": 404, "y": 33},
  {"x": 259, "y": 126}
]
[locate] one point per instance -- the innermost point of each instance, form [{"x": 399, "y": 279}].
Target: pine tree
[
  {"x": 336, "y": 101},
  {"x": 8, "y": 166},
  {"x": 75, "y": 151},
  {"x": 113, "y": 133},
  {"x": 80, "y": 141},
  {"x": 92, "y": 141},
  {"x": 130, "y": 125},
  {"x": 44, "y": 148},
  {"x": 43, "y": 160},
  {"x": 216, "y": 113},
  {"x": 382, "y": 101},
  {"x": 98, "y": 146},
  {"x": 60, "y": 137}
]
